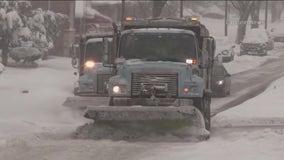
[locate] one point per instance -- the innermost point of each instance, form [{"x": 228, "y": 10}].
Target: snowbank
[
  {"x": 265, "y": 108},
  {"x": 247, "y": 62}
]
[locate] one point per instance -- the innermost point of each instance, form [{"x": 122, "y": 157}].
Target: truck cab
[
  {"x": 87, "y": 59},
  {"x": 163, "y": 62}
]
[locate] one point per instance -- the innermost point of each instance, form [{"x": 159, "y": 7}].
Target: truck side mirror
[
  {"x": 208, "y": 48},
  {"x": 74, "y": 53},
  {"x": 108, "y": 56}
]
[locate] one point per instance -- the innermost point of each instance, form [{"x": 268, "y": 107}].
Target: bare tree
[
  {"x": 244, "y": 9},
  {"x": 276, "y": 10},
  {"x": 255, "y": 14},
  {"x": 158, "y": 7}
]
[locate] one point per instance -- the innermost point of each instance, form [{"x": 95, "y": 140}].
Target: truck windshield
[
  {"x": 94, "y": 51},
  {"x": 176, "y": 47}
]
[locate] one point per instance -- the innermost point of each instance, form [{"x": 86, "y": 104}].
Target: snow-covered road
[{"x": 34, "y": 125}]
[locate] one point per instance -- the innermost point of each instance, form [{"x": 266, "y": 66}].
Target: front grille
[
  {"x": 166, "y": 85},
  {"x": 101, "y": 83}
]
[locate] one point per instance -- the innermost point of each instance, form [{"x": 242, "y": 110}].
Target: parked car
[
  {"x": 221, "y": 81},
  {"x": 277, "y": 32},
  {"x": 224, "y": 49},
  {"x": 257, "y": 41}
]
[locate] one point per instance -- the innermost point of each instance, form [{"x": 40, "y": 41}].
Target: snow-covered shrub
[
  {"x": 27, "y": 54},
  {"x": 24, "y": 27}
]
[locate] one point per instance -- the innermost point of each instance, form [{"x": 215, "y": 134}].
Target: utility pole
[
  {"x": 226, "y": 18},
  {"x": 122, "y": 12},
  {"x": 48, "y": 5},
  {"x": 181, "y": 9},
  {"x": 266, "y": 13}
]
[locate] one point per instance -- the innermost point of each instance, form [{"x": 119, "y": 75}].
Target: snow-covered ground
[
  {"x": 252, "y": 130},
  {"x": 31, "y": 104},
  {"x": 31, "y": 98},
  {"x": 39, "y": 111}
]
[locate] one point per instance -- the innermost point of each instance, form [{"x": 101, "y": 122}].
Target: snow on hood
[{"x": 256, "y": 36}]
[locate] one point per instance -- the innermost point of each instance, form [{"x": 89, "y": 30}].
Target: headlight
[
  {"x": 116, "y": 89},
  {"x": 89, "y": 64},
  {"x": 221, "y": 82}
]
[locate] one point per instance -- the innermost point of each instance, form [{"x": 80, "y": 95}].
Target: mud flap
[{"x": 81, "y": 103}]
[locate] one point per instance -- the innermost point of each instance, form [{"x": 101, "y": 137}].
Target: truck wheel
[{"x": 203, "y": 104}]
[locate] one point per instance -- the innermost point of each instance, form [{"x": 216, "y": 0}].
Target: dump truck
[
  {"x": 161, "y": 76},
  {"x": 87, "y": 57}
]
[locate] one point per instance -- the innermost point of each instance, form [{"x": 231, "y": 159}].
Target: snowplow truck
[
  {"x": 161, "y": 75},
  {"x": 87, "y": 59}
]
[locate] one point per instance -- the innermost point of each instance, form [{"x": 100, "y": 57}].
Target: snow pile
[
  {"x": 256, "y": 35},
  {"x": 244, "y": 63}
]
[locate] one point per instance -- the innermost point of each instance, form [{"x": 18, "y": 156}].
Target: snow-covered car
[
  {"x": 277, "y": 32},
  {"x": 221, "y": 81},
  {"x": 256, "y": 42},
  {"x": 224, "y": 49},
  {"x": 1, "y": 68},
  {"x": 213, "y": 12}
]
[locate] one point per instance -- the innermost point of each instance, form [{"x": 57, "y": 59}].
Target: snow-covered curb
[{"x": 265, "y": 109}]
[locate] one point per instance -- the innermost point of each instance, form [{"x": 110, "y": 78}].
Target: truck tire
[{"x": 203, "y": 104}]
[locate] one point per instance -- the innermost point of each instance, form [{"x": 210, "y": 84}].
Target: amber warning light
[{"x": 128, "y": 18}]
